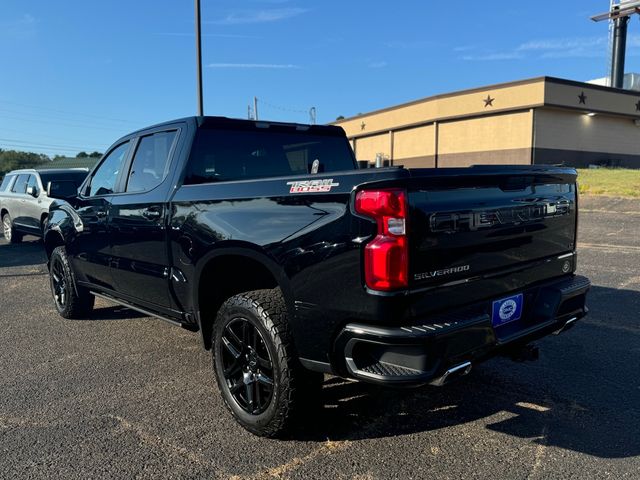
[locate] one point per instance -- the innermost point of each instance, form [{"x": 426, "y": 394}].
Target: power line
[
  {"x": 67, "y": 112},
  {"x": 311, "y": 112},
  {"x": 56, "y": 118},
  {"x": 33, "y": 147},
  {"x": 284, "y": 109},
  {"x": 115, "y": 129},
  {"x": 39, "y": 135},
  {"x": 14, "y": 140}
]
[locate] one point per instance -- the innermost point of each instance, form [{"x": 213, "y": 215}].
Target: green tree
[
  {"x": 82, "y": 155},
  {"x": 95, "y": 155},
  {"x": 339, "y": 117},
  {"x": 13, "y": 160}
]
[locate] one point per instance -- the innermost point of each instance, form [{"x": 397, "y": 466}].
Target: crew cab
[
  {"x": 25, "y": 197},
  {"x": 291, "y": 262}
]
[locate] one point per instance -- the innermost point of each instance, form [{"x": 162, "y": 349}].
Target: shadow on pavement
[
  {"x": 29, "y": 252},
  {"x": 584, "y": 397},
  {"x": 565, "y": 404}
]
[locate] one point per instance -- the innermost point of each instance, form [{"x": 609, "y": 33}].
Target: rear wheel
[
  {"x": 260, "y": 378},
  {"x": 71, "y": 301},
  {"x": 9, "y": 230}
]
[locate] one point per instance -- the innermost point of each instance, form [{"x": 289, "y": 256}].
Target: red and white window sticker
[{"x": 312, "y": 186}]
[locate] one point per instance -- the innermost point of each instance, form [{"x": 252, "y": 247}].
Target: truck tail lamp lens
[{"x": 386, "y": 257}]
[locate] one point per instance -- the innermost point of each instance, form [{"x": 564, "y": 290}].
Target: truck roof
[
  {"x": 47, "y": 170},
  {"x": 226, "y": 122}
]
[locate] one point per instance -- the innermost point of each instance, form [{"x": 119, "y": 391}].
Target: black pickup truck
[{"x": 292, "y": 262}]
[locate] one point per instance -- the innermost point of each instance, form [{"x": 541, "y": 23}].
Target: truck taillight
[{"x": 386, "y": 257}]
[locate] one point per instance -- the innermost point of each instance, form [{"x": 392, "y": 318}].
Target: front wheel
[
  {"x": 70, "y": 301},
  {"x": 259, "y": 376}
]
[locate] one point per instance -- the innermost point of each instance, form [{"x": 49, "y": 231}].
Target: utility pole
[
  {"x": 198, "y": 60},
  {"x": 255, "y": 108},
  {"x": 618, "y": 15},
  {"x": 618, "y": 51}
]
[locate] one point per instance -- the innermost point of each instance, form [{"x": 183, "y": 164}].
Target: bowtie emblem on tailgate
[{"x": 312, "y": 186}]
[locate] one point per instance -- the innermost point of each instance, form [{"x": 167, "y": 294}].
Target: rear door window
[
  {"x": 20, "y": 185},
  {"x": 150, "y": 162}
]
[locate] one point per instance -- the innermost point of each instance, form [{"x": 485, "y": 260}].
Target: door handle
[{"x": 151, "y": 213}]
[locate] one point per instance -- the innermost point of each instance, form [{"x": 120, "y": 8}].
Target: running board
[{"x": 137, "y": 309}]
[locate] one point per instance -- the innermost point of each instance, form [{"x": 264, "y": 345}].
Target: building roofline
[{"x": 515, "y": 83}]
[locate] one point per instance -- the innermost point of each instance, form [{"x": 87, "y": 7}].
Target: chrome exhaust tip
[
  {"x": 451, "y": 374},
  {"x": 567, "y": 325}
]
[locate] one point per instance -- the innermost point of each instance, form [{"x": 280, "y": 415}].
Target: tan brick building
[{"x": 541, "y": 120}]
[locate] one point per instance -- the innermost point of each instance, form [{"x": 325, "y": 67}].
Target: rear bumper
[{"x": 440, "y": 347}]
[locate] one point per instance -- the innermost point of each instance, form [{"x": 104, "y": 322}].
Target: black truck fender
[{"x": 265, "y": 273}]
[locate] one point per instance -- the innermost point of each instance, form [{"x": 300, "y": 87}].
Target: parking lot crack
[
  {"x": 162, "y": 444},
  {"x": 539, "y": 453},
  {"x": 280, "y": 471}
]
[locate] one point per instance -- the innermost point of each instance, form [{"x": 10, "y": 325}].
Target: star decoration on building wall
[
  {"x": 638, "y": 106},
  {"x": 488, "y": 102},
  {"x": 362, "y": 126},
  {"x": 582, "y": 98}
]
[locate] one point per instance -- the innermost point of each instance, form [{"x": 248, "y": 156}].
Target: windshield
[
  {"x": 63, "y": 185},
  {"x": 63, "y": 189}
]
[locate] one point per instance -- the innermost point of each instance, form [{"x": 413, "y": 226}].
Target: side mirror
[{"x": 33, "y": 191}]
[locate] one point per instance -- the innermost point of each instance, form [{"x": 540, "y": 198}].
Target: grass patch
[{"x": 611, "y": 182}]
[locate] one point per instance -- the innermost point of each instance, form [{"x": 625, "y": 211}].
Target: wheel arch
[
  {"x": 244, "y": 268},
  {"x": 52, "y": 239}
]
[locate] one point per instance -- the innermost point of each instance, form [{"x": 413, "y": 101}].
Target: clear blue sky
[{"x": 78, "y": 74}]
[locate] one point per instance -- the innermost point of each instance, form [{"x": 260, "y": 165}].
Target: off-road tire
[
  {"x": 9, "y": 231},
  {"x": 71, "y": 301},
  {"x": 267, "y": 312}
]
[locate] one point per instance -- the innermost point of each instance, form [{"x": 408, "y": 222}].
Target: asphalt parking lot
[{"x": 121, "y": 395}]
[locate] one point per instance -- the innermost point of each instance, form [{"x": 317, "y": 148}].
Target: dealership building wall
[{"x": 541, "y": 120}]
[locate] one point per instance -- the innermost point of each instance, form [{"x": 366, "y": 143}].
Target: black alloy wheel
[
  {"x": 247, "y": 366},
  {"x": 71, "y": 301},
  {"x": 256, "y": 366},
  {"x": 59, "y": 285}
]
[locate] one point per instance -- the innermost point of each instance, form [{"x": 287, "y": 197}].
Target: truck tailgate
[{"x": 465, "y": 223}]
